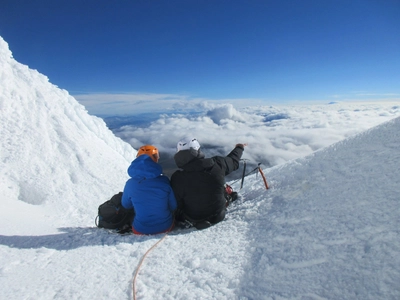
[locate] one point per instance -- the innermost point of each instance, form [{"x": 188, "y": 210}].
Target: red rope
[{"x": 140, "y": 264}]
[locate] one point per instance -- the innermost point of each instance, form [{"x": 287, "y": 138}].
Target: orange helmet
[{"x": 150, "y": 151}]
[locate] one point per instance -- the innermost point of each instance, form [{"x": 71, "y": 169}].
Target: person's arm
[
  {"x": 172, "y": 203},
  {"x": 126, "y": 199},
  {"x": 177, "y": 189},
  {"x": 233, "y": 158}
]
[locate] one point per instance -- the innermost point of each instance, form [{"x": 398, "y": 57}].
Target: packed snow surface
[{"x": 328, "y": 227}]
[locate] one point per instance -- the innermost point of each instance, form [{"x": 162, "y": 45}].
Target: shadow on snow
[{"x": 75, "y": 237}]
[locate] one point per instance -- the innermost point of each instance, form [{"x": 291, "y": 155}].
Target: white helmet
[{"x": 187, "y": 143}]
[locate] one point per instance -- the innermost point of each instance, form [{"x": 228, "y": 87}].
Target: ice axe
[{"x": 258, "y": 168}]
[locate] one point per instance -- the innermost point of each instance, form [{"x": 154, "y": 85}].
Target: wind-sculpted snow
[
  {"x": 328, "y": 228},
  {"x": 52, "y": 151}
]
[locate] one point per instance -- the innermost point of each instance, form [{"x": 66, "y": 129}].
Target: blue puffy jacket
[{"x": 150, "y": 194}]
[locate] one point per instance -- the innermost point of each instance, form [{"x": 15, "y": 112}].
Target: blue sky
[{"x": 270, "y": 50}]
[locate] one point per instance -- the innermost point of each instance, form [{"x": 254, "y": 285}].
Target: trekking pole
[
  {"x": 256, "y": 169},
  {"x": 243, "y": 174},
  {"x": 252, "y": 171}
]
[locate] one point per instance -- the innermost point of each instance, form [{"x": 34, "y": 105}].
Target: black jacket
[{"x": 199, "y": 186}]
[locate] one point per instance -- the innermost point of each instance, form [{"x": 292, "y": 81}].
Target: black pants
[
  {"x": 214, "y": 219},
  {"x": 217, "y": 218}
]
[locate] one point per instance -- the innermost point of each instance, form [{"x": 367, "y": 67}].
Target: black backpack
[{"x": 112, "y": 215}]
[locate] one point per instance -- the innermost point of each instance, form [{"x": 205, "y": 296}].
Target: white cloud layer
[
  {"x": 274, "y": 134},
  {"x": 109, "y": 104}
]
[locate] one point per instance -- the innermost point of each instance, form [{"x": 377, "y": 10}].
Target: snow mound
[{"x": 52, "y": 152}]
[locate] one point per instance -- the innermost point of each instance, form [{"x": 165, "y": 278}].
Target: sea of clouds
[{"x": 274, "y": 134}]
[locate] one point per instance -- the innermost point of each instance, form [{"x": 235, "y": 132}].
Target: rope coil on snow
[{"x": 140, "y": 264}]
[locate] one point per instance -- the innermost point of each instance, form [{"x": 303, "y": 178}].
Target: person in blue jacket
[{"x": 149, "y": 193}]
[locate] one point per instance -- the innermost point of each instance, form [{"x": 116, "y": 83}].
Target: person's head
[
  {"x": 187, "y": 150},
  {"x": 187, "y": 144},
  {"x": 190, "y": 145},
  {"x": 150, "y": 151}
]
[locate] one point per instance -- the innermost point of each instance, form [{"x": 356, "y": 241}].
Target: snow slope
[
  {"x": 52, "y": 151},
  {"x": 327, "y": 229}
]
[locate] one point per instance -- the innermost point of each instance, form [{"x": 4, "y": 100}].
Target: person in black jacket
[{"x": 199, "y": 187}]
